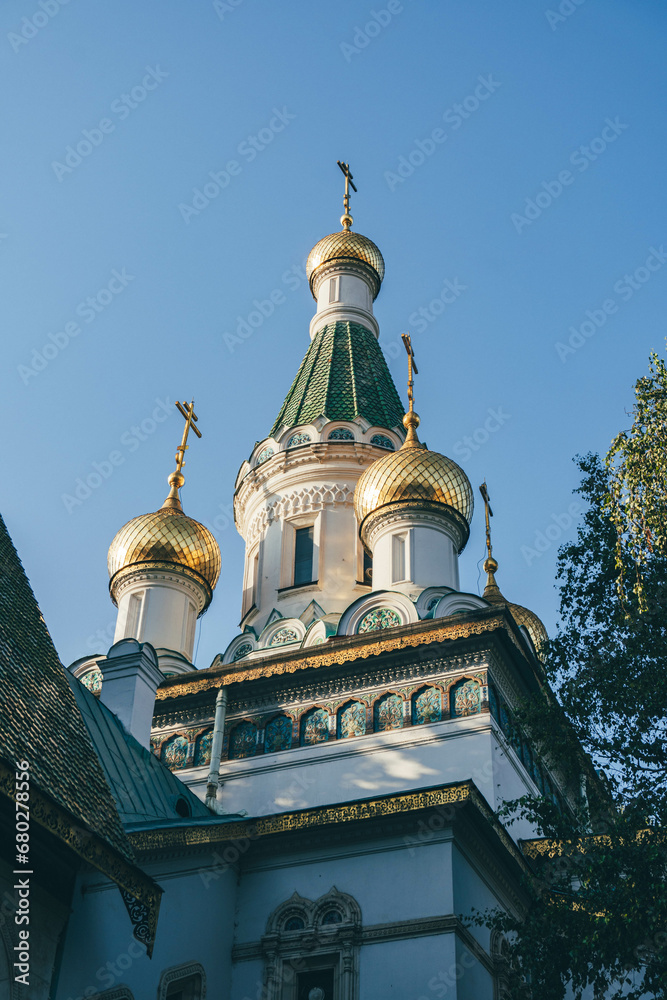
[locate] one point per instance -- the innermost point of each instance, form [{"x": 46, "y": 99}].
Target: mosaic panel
[
  {"x": 341, "y": 434},
  {"x": 383, "y": 442},
  {"x": 284, "y": 635},
  {"x": 379, "y": 618},
  {"x": 298, "y": 439},
  {"x": 278, "y": 734},
  {"x": 352, "y": 720},
  {"x": 466, "y": 698},
  {"x": 155, "y": 745},
  {"x": 264, "y": 455},
  {"x": 388, "y": 713},
  {"x": 243, "y": 741},
  {"x": 203, "y": 749},
  {"x": 242, "y": 651},
  {"x": 93, "y": 680},
  {"x": 314, "y": 727},
  {"x": 175, "y": 752},
  {"x": 427, "y": 706}
]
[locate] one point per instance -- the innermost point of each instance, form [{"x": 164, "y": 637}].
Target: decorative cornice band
[{"x": 357, "y": 647}]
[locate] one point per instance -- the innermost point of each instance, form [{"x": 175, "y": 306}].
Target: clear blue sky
[{"x": 211, "y": 75}]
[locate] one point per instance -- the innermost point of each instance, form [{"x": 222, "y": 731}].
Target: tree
[{"x": 597, "y": 913}]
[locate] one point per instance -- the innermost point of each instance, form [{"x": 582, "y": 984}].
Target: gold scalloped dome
[
  {"x": 345, "y": 245},
  {"x": 166, "y": 536},
  {"x": 413, "y": 473},
  {"x": 530, "y": 621},
  {"x": 522, "y": 616}
]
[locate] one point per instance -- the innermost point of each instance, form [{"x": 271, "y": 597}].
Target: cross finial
[
  {"x": 176, "y": 479},
  {"x": 410, "y": 420},
  {"x": 346, "y": 219},
  {"x": 491, "y": 591}
]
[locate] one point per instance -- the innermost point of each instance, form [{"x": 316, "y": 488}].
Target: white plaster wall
[
  {"x": 407, "y": 759},
  {"x": 392, "y": 879},
  {"x": 195, "y": 924}
]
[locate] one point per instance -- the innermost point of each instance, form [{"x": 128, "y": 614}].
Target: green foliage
[{"x": 597, "y": 909}]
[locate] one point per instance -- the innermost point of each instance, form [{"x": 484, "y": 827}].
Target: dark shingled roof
[
  {"x": 143, "y": 787},
  {"x": 343, "y": 375},
  {"x": 39, "y": 718}
]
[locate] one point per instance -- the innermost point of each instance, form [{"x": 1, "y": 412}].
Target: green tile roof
[
  {"x": 39, "y": 718},
  {"x": 144, "y": 789},
  {"x": 343, "y": 375}
]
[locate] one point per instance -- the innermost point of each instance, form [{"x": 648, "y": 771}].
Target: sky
[{"x": 167, "y": 164}]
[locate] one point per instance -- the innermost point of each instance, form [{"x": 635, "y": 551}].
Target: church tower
[{"x": 293, "y": 502}]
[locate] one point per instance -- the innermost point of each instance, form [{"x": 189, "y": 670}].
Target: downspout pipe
[{"x": 216, "y": 749}]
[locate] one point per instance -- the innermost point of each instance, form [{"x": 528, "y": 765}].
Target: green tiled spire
[{"x": 343, "y": 375}]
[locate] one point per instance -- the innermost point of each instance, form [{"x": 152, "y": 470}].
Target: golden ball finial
[
  {"x": 490, "y": 565},
  {"x": 346, "y": 221},
  {"x": 176, "y": 479}
]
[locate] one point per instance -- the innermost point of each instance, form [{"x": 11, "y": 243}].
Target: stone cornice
[
  {"x": 445, "y": 798},
  {"x": 396, "y": 930}
]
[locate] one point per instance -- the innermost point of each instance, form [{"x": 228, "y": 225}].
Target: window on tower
[
  {"x": 303, "y": 555},
  {"x": 368, "y": 569},
  {"x": 398, "y": 558}
]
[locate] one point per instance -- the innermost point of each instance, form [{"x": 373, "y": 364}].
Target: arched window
[
  {"x": 241, "y": 651},
  {"x": 243, "y": 740},
  {"x": 351, "y": 720},
  {"x": 379, "y": 618},
  {"x": 466, "y": 698},
  {"x": 326, "y": 966},
  {"x": 427, "y": 706},
  {"x": 388, "y": 713},
  {"x": 383, "y": 442},
  {"x": 341, "y": 434},
  {"x": 314, "y": 727},
  {"x": 282, "y": 636},
  {"x": 278, "y": 734},
  {"x": 297, "y": 440},
  {"x": 183, "y": 982}
]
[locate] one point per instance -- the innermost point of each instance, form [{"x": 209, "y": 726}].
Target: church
[{"x": 312, "y": 817}]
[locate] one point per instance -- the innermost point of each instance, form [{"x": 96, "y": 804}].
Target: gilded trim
[
  {"x": 405, "y": 637},
  {"x": 89, "y": 846}
]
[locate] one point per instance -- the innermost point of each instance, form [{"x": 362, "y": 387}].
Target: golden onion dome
[
  {"x": 413, "y": 474},
  {"x": 166, "y": 537},
  {"x": 522, "y": 616},
  {"x": 345, "y": 245}
]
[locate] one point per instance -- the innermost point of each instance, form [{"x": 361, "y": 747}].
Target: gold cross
[
  {"x": 346, "y": 219},
  {"x": 488, "y": 513},
  {"x": 412, "y": 367},
  {"x": 188, "y": 411}
]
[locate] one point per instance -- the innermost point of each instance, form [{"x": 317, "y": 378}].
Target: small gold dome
[
  {"x": 166, "y": 536},
  {"x": 522, "y": 616},
  {"x": 411, "y": 474},
  {"x": 345, "y": 245},
  {"x": 533, "y": 625}
]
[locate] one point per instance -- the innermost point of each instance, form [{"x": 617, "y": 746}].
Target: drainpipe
[{"x": 216, "y": 749}]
